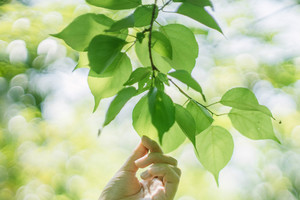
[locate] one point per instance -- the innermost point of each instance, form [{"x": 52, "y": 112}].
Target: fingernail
[{"x": 145, "y": 175}]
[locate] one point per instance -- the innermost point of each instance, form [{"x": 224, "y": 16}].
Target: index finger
[{"x": 151, "y": 145}]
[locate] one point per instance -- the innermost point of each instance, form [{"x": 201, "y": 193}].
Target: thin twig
[{"x": 165, "y": 5}]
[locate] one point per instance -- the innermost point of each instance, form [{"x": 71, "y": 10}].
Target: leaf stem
[
  {"x": 167, "y": 3},
  {"x": 213, "y": 104},
  {"x": 154, "y": 68}
]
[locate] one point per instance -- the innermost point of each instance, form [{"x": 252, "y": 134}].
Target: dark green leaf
[
  {"x": 199, "y": 14},
  {"x": 115, "y": 4},
  {"x": 215, "y": 149},
  {"x": 159, "y": 84},
  {"x": 161, "y": 44},
  {"x": 201, "y": 116},
  {"x": 142, "y": 123},
  {"x": 79, "y": 33},
  {"x": 102, "y": 51},
  {"x": 109, "y": 83},
  {"x": 124, "y": 23},
  {"x": 184, "y": 46},
  {"x": 252, "y": 124},
  {"x": 187, "y": 79},
  {"x": 143, "y": 15},
  {"x": 186, "y": 122},
  {"x": 162, "y": 111},
  {"x": 138, "y": 75},
  {"x": 243, "y": 99},
  {"x": 140, "y": 37},
  {"x": 118, "y": 103}
]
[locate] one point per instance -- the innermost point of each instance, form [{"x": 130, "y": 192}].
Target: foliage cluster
[{"x": 165, "y": 52}]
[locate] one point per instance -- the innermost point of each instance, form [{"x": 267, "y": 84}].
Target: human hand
[{"x": 159, "y": 182}]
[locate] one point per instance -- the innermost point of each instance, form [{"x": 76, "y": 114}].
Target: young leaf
[
  {"x": 162, "y": 111},
  {"x": 109, "y": 83},
  {"x": 243, "y": 99},
  {"x": 102, "y": 51},
  {"x": 115, "y": 4},
  {"x": 142, "y": 53},
  {"x": 215, "y": 149},
  {"x": 118, "y": 103},
  {"x": 145, "y": 83},
  {"x": 187, "y": 79},
  {"x": 201, "y": 3},
  {"x": 143, "y": 15},
  {"x": 201, "y": 116},
  {"x": 79, "y": 33},
  {"x": 161, "y": 44},
  {"x": 159, "y": 84},
  {"x": 138, "y": 75},
  {"x": 186, "y": 122},
  {"x": 126, "y": 22},
  {"x": 142, "y": 123},
  {"x": 252, "y": 124},
  {"x": 199, "y": 14},
  {"x": 184, "y": 46},
  {"x": 163, "y": 78}
]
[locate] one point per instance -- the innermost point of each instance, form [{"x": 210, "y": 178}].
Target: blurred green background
[{"x": 49, "y": 143}]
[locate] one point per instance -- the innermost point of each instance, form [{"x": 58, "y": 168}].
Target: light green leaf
[
  {"x": 187, "y": 79},
  {"x": 143, "y": 15},
  {"x": 138, "y": 75},
  {"x": 83, "y": 61},
  {"x": 199, "y": 14},
  {"x": 186, "y": 122},
  {"x": 161, "y": 44},
  {"x": 118, "y": 103},
  {"x": 243, "y": 99},
  {"x": 142, "y": 123},
  {"x": 115, "y": 4},
  {"x": 184, "y": 46},
  {"x": 201, "y": 3},
  {"x": 111, "y": 82},
  {"x": 163, "y": 78},
  {"x": 159, "y": 84},
  {"x": 83, "y": 29},
  {"x": 126, "y": 22},
  {"x": 102, "y": 51},
  {"x": 252, "y": 124},
  {"x": 162, "y": 111},
  {"x": 142, "y": 53},
  {"x": 201, "y": 116},
  {"x": 215, "y": 149}
]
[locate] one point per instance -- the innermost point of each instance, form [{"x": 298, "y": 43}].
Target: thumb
[{"x": 139, "y": 152}]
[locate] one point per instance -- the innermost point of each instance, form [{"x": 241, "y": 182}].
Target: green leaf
[
  {"x": 83, "y": 29},
  {"x": 143, "y": 15},
  {"x": 162, "y": 111},
  {"x": 159, "y": 84},
  {"x": 187, "y": 79},
  {"x": 215, "y": 149},
  {"x": 243, "y": 99},
  {"x": 111, "y": 82},
  {"x": 126, "y": 22},
  {"x": 199, "y": 14},
  {"x": 186, "y": 122},
  {"x": 115, "y": 4},
  {"x": 138, "y": 75},
  {"x": 142, "y": 123},
  {"x": 201, "y": 116},
  {"x": 142, "y": 53},
  {"x": 161, "y": 44},
  {"x": 102, "y": 51},
  {"x": 163, "y": 78},
  {"x": 252, "y": 124},
  {"x": 83, "y": 61},
  {"x": 201, "y": 3},
  {"x": 184, "y": 46},
  {"x": 118, "y": 103},
  {"x": 173, "y": 138}
]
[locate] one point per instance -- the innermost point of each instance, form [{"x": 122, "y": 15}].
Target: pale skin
[{"x": 158, "y": 182}]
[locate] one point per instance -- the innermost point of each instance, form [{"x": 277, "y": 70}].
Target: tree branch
[{"x": 150, "y": 38}]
